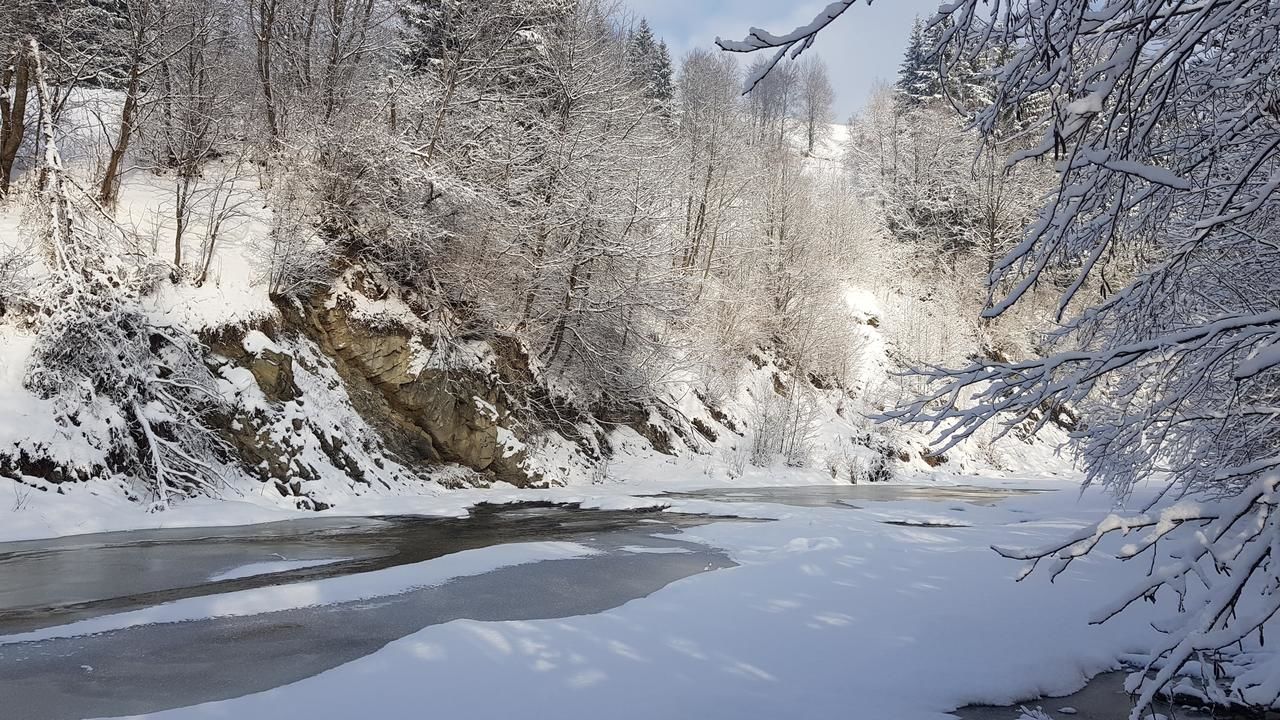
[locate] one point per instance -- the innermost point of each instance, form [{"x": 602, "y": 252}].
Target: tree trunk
[
  {"x": 451, "y": 84},
  {"x": 557, "y": 335},
  {"x": 110, "y": 188},
  {"x": 12, "y": 118},
  {"x": 263, "y": 34},
  {"x": 180, "y": 220}
]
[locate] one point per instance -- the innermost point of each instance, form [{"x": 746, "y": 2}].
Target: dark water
[
  {"x": 851, "y": 495},
  {"x": 1104, "y": 698},
  {"x": 155, "y": 667}
]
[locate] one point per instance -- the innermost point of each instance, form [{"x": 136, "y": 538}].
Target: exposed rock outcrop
[{"x": 449, "y": 415}]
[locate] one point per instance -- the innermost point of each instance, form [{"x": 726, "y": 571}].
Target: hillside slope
[{"x": 368, "y": 388}]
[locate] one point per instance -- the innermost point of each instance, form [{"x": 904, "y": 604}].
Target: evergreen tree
[
  {"x": 650, "y": 61},
  {"x": 425, "y": 31},
  {"x": 98, "y": 31},
  {"x": 663, "y": 88},
  {"x": 920, "y": 76},
  {"x": 641, "y": 45},
  {"x": 918, "y": 79}
]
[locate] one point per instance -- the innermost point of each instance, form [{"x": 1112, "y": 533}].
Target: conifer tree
[
  {"x": 663, "y": 88},
  {"x": 920, "y": 76},
  {"x": 651, "y": 62},
  {"x": 918, "y": 80}
]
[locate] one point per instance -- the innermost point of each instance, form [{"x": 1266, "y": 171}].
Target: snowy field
[{"x": 890, "y": 609}]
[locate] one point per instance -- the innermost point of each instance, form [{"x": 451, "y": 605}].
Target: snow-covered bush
[
  {"x": 767, "y": 414},
  {"x": 146, "y": 387},
  {"x": 14, "y": 282},
  {"x": 782, "y": 421},
  {"x": 863, "y": 458}
]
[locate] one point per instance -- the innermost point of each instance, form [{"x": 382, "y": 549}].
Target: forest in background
[{"x": 537, "y": 175}]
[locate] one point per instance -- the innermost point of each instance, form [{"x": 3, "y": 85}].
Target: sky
[{"x": 862, "y": 47}]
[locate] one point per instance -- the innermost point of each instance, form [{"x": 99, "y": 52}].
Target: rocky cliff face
[
  {"x": 340, "y": 393},
  {"x": 445, "y": 415}
]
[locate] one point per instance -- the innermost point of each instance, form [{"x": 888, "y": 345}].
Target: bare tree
[
  {"x": 97, "y": 352},
  {"x": 291, "y": 259},
  {"x": 185, "y": 44},
  {"x": 74, "y": 38},
  {"x": 771, "y": 102},
  {"x": 713, "y": 130},
  {"x": 260, "y": 16},
  {"x": 224, "y": 207},
  {"x": 459, "y": 44},
  {"x": 192, "y": 103},
  {"x": 816, "y": 97}
]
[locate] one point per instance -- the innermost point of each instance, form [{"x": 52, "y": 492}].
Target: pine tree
[
  {"x": 641, "y": 45},
  {"x": 424, "y": 31},
  {"x": 650, "y": 61},
  {"x": 99, "y": 32},
  {"x": 918, "y": 80},
  {"x": 920, "y": 76},
  {"x": 663, "y": 88}
]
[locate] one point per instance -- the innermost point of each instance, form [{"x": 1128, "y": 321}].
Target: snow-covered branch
[{"x": 790, "y": 44}]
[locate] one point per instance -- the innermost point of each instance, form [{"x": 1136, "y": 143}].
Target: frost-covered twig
[{"x": 794, "y": 42}]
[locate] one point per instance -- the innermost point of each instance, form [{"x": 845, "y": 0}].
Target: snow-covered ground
[{"x": 831, "y": 612}]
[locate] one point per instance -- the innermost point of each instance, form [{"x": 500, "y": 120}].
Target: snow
[
  {"x": 255, "y": 342},
  {"x": 213, "y": 305},
  {"x": 829, "y": 613},
  {"x": 233, "y": 295},
  {"x": 830, "y": 610},
  {"x": 389, "y": 310},
  {"x": 330, "y": 591},
  {"x": 862, "y": 302},
  {"x": 485, "y": 408},
  {"x": 270, "y": 567},
  {"x": 1089, "y": 104},
  {"x": 1150, "y": 173},
  {"x": 509, "y": 443},
  {"x": 629, "y": 481},
  {"x": 1262, "y": 359},
  {"x": 27, "y": 422},
  {"x": 78, "y": 509}
]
